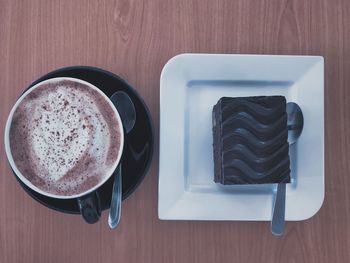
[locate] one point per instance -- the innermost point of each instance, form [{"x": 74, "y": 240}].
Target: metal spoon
[
  {"x": 295, "y": 125},
  {"x": 127, "y": 113}
]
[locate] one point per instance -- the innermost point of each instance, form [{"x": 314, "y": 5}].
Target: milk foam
[{"x": 66, "y": 130}]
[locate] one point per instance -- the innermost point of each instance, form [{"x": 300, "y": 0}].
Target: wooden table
[{"x": 134, "y": 39}]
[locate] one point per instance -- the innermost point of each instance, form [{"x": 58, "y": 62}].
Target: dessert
[{"x": 250, "y": 140}]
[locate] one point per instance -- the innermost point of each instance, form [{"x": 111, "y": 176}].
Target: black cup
[{"x": 88, "y": 201}]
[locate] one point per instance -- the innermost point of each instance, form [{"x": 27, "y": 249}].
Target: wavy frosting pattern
[{"x": 250, "y": 140}]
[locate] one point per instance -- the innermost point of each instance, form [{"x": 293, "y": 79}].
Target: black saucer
[{"x": 136, "y": 158}]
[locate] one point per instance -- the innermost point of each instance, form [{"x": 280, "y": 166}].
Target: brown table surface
[{"x": 134, "y": 39}]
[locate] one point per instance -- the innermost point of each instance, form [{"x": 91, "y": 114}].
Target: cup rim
[{"x": 8, "y": 148}]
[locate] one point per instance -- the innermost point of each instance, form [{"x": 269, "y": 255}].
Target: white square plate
[{"x": 190, "y": 85}]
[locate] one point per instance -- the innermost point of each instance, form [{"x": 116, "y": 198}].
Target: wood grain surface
[{"x": 134, "y": 39}]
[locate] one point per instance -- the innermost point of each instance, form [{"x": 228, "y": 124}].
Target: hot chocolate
[{"x": 65, "y": 137}]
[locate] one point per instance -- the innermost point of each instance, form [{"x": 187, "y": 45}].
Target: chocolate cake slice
[{"x": 250, "y": 140}]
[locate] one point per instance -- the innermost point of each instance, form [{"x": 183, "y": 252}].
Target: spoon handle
[
  {"x": 277, "y": 222},
  {"x": 115, "y": 211}
]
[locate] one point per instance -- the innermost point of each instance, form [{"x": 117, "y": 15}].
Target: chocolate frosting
[{"x": 250, "y": 140}]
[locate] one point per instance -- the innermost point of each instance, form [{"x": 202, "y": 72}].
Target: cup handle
[{"x": 90, "y": 207}]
